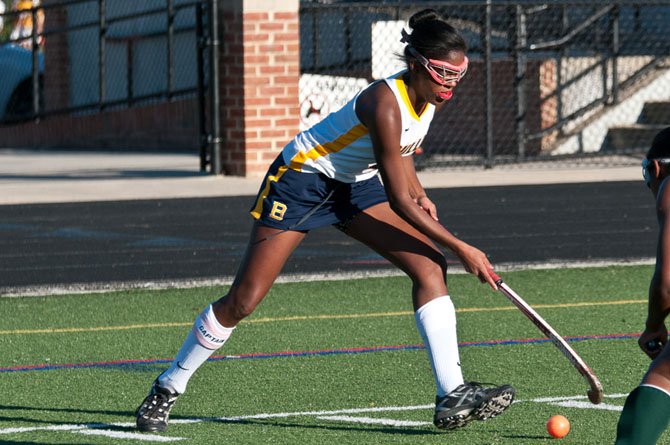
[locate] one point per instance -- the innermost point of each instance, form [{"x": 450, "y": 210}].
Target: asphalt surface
[{"x": 45, "y": 247}]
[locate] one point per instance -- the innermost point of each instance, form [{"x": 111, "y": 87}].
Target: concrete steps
[
  {"x": 656, "y": 113},
  {"x": 637, "y": 137}
]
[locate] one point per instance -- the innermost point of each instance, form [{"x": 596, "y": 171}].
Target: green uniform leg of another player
[{"x": 645, "y": 416}]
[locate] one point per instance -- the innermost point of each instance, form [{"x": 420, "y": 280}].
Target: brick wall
[
  {"x": 164, "y": 127},
  {"x": 167, "y": 126},
  {"x": 260, "y": 71},
  {"x": 259, "y": 68},
  {"x": 56, "y": 59}
]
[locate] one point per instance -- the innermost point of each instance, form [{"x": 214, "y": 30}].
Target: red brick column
[
  {"x": 260, "y": 71},
  {"x": 56, "y": 57},
  {"x": 548, "y": 100}
]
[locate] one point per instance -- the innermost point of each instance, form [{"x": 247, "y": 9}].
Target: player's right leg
[
  {"x": 646, "y": 413},
  {"x": 268, "y": 250},
  {"x": 457, "y": 402}
]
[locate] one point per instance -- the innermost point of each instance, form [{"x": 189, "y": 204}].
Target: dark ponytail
[
  {"x": 432, "y": 36},
  {"x": 660, "y": 146}
]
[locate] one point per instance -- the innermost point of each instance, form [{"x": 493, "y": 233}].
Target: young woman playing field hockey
[
  {"x": 646, "y": 413},
  {"x": 329, "y": 175}
]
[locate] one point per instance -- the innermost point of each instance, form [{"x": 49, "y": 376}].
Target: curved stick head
[{"x": 595, "y": 395}]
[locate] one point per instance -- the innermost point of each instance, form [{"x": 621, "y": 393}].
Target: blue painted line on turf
[{"x": 324, "y": 352}]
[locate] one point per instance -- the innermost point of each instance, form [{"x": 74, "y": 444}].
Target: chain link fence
[
  {"x": 577, "y": 81},
  {"x": 115, "y": 53},
  {"x": 75, "y": 58}
]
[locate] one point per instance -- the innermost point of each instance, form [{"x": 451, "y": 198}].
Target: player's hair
[
  {"x": 660, "y": 146},
  {"x": 432, "y": 36}
]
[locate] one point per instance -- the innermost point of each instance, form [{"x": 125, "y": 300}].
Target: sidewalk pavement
[{"x": 30, "y": 177}]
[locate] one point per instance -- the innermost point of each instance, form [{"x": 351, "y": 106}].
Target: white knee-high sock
[
  {"x": 207, "y": 336},
  {"x": 436, "y": 321}
]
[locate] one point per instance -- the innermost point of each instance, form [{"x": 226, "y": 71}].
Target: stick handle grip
[{"x": 495, "y": 277}]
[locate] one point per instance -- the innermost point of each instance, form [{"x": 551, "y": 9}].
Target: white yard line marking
[
  {"x": 561, "y": 399},
  {"x": 374, "y": 421},
  {"x": 124, "y": 435},
  {"x": 186, "y": 283},
  {"x": 101, "y": 429},
  {"x": 95, "y": 429},
  {"x": 588, "y": 405},
  {"x": 326, "y": 413},
  {"x": 29, "y": 429}
]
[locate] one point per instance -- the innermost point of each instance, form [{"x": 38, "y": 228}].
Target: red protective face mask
[{"x": 441, "y": 72}]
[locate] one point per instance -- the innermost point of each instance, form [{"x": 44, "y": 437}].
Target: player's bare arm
[
  {"x": 380, "y": 114},
  {"x": 659, "y": 288},
  {"x": 416, "y": 190}
]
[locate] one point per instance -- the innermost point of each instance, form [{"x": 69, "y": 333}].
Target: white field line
[
  {"x": 30, "y": 429},
  {"x": 325, "y": 413},
  {"x": 96, "y": 429},
  {"x": 90, "y": 288},
  {"x": 588, "y": 405},
  {"x": 332, "y": 415},
  {"x": 374, "y": 421},
  {"x": 125, "y": 435},
  {"x": 565, "y": 398}
]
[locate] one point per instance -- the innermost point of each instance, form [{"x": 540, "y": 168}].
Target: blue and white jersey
[{"x": 340, "y": 147}]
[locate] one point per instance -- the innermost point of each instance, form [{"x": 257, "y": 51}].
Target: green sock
[{"x": 644, "y": 417}]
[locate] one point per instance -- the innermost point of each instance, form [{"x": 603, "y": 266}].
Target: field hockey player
[{"x": 329, "y": 175}]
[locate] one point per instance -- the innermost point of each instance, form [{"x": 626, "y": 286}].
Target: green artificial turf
[{"x": 267, "y": 396}]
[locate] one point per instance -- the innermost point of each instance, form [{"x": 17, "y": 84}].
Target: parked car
[{"x": 16, "y": 82}]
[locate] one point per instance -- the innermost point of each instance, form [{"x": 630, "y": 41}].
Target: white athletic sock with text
[
  {"x": 436, "y": 321},
  {"x": 207, "y": 336}
]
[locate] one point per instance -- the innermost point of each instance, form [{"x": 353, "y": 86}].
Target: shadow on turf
[
  {"x": 58, "y": 410},
  {"x": 16, "y": 442},
  {"x": 17, "y": 418},
  {"x": 366, "y": 429},
  {"x": 362, "y": 429}
]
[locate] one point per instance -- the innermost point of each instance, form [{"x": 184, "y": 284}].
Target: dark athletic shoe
[
  {"x": 471, "y": 401},
  {"x": 152, "y": 415}
]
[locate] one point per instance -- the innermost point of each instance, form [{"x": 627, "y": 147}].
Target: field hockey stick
[{"x": 595, "y": 393}]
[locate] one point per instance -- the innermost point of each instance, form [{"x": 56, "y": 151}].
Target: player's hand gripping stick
[{"x": 653, "y": 345}]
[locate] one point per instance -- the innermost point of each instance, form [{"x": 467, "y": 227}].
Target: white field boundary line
[
  {"x": 96, "y": 429},
  {"x": 142, "y": 437},
  {"x": 374, "y": 421},
  {"x": 116, "y": 286},
  {"x": 342, "y": 415}
]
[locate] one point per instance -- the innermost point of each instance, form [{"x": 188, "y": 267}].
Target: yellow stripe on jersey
[
  {"x": 405, "y": 98},
  {"x": 329, "y": 147},
  {"x": 256, "y": 212}
]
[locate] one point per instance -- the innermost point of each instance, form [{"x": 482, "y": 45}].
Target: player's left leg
[
  {"x": 458, "y": 402},
  {"x": 646, "y": 413},
  {"x": 267, "y": 251}
]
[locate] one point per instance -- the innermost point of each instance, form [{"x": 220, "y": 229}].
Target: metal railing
[
  {"x": 544, "y": 74},
  {"x": 545, "y": 78}
]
